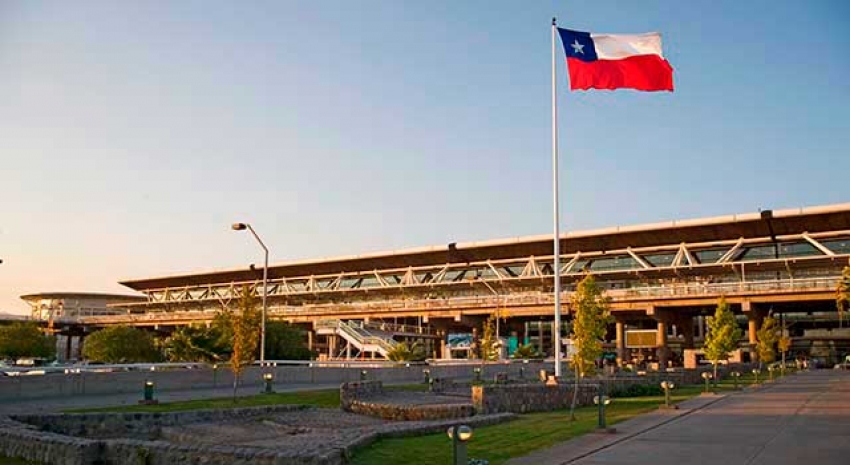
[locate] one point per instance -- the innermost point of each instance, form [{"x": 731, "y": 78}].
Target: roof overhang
[{"x": 759, "y": 224}]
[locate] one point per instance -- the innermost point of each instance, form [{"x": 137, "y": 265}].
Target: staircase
[{"x": 359, "y": 335}]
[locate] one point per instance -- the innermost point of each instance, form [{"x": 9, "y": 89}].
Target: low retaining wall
[
  {"x": 364, "y": 397},
  {"x": 16, "y": 388},
  {"x": 139, "y": 425},
  {"x": 526, "y": 398}
]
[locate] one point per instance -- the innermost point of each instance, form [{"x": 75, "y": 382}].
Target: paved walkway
[
  {"x": 803, "y": 418},
  {"x": 58, "y": 404}
]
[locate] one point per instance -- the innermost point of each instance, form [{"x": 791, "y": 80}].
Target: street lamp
[
  {"x": 242, "y": 227},
  {"x": 706, "y": 376},
  {"x": 668, "y": 386},
  {"x": 601, "y": 400},
  {"x": 268, "y": 379},
  {"x": 459, "y": 436}
]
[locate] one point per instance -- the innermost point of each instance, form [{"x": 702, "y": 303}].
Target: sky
[{"x": 132, "y": 134}]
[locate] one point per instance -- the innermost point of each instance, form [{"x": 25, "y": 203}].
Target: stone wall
[
  {"x": 139, "y": 425},
  {"x": 16, "y": 388},
  {"x": 365, "y": 398},
  {"x": 525, "y": 398}
]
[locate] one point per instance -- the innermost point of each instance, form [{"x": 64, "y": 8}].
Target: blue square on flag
[{"x": 578, "y": 44}]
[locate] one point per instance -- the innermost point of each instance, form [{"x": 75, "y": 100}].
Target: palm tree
[{"x": 404, "y": 352}]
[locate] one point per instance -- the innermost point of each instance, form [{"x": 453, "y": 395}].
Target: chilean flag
[{"x": 615, "y": 61}]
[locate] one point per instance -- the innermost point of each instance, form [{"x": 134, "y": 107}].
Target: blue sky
[{"x": 133, "y": 134}]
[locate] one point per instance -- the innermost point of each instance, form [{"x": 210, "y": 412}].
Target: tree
[
  {"x": 285, "y": 341},
  {"x": 121, "y": 344},
  {"x": 25, "y": 340},
  {"x": 590, "y": 322},
  {"x": 243, "y": 325},
  {"x": 842, "y": 295},
  {"x": 490, "y": 344},
  {"x": 195, "y": 343},
  {"x": 784, "y": 344},
  {"x": 723, "y": 334},
  {"x": 767, "y": 339},
  {"x": 404, "y": 352}
]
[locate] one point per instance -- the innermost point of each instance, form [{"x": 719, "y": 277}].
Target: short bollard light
[
  {"x": 668, "y": 386},
  {"x": 459, "y": 434},
  {"x": 148, "y": 396},
  {"x": 756, "y": 373},
  {"x": 427, "y": 373},
  {"x": 363, "y": 375},
  {"x": 215, "y": 373},
  {"x": 770, "y": 369},
  {"x": 522, "y": 369},
  {"x": 268, "y": 381},
  {"x": 477, "y": 371},
  {"x": 735, "y": 375},
  {"x": 601, "y": 401},
  {"x": 706, "y": 376}
]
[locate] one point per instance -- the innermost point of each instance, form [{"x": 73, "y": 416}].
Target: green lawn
[
  {"x": 13, "y": 461},
  {"x": 320, "y": 398},
  {"x": 498, "y": 443}
]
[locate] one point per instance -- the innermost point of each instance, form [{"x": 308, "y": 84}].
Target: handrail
[{"x": 825, "y": 283}]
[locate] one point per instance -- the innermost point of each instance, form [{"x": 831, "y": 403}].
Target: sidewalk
[
  {"x": 802, "y": 418},
  {"x": 587, "y": 444}
]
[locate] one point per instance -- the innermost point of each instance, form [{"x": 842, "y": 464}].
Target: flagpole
[{"x": 555, "y": 212}]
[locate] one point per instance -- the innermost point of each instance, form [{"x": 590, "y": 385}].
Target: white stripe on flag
[{"x": 618, "y": 46}]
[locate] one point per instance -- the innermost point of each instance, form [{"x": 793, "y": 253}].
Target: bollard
[
  {"x": 522, "y": 371},
  {"x": 268, "y": 381},
  {"x": 148, "y": 395},
  {"x": 601, "y": 400},
  {"x": 427, "y": 373},
  {"x": 215, "y": 373},
  {"x": 668, "y": 386},
  {"x": 770, "y": 372},
  {"x": 706, "y": 376},
  {"x": 459, "y": 435},
  {"x": 756, "y": 373},
  {"x": 477, "y": 371},
  {"x": 735, "y": 375},
  {"x": 363, "y": 375}
]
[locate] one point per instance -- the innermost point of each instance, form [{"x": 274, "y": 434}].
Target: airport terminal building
[{"x": 663, "y": 279}]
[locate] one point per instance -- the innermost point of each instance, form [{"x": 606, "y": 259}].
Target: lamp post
[
  {"x": 706, "y": 376},
  {"x": 601, "y": 400},
  {"x": 242, "y": 227},
  {"x": 459, "y": 436},
  {"x": 268, "y": 379},
  {"x": 668, "y": 386}
]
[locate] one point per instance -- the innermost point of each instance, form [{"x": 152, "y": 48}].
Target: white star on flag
[{"x": 579, "y": 48}]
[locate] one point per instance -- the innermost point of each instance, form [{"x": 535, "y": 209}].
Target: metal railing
[{"x": 664, "y": 290}]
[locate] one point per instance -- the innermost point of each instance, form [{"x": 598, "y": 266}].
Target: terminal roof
[{"x": 759, "y": 224}]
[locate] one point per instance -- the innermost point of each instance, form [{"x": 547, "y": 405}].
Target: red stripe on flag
[{"x": 641, "y": 72}]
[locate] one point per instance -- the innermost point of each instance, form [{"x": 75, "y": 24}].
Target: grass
[
  {"x": 498, "y": 443},
  {"x": 14, "y": 461},
  {"x": 320, "y": 398}
]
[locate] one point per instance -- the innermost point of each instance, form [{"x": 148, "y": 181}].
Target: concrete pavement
[{"x": 802, "y": 418}]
